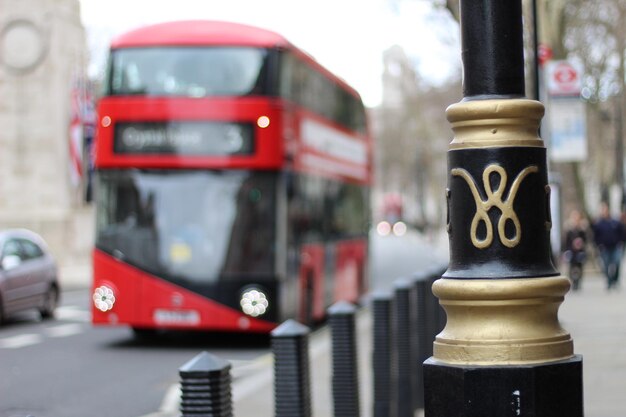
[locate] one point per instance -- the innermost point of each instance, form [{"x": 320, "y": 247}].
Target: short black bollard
[
  {"x": 345, "y": 364},
  {"x": 423, "y": 340},
  {"x": 384, "y": 372},
  {"x": 206, "y": 387},
  {"x": 432, "y": 311},
  {"x": 292, "y": 381},
  {"x": 404, "y": 338}
]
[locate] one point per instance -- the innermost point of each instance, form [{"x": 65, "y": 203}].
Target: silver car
[{"x": 28, "y": 274}]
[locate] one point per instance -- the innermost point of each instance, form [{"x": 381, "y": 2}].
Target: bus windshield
[
  {"x": 189, "y": 226},
  {"x": 188, "y": 71}
]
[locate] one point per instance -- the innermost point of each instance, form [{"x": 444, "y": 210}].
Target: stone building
[{"x": 43, "y": 56}]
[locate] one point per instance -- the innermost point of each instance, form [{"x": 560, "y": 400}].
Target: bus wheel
[{"x": 1, "y": 312}]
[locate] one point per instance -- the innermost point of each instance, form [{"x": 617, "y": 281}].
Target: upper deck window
[
  {"x": 188, "y": 71},
  {"x": 310, "y": 88}
]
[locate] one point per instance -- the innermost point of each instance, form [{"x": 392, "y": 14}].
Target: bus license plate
[{"x": 176, "y": 317}]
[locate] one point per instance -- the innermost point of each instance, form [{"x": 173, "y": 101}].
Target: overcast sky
[{"x": 346, "y": 36}]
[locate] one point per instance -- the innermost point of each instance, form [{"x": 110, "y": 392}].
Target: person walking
[
  {"x": 608, "y": 235},
  {"x": 575, "y": 248}
]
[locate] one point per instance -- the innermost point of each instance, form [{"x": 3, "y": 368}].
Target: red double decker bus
[{"x": 232, "y": 182}]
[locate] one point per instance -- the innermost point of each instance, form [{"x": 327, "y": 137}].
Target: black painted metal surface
[
  {"x": 538, "y": 390},
  {"x": 345, "y": 379},
  {"x": 405, "y": 348},
  {"x": 292, "y": 381},
  {"x": 384, "y": 372},
  {"x": 492, "y": 43},
  {"x": 530, "y": 257},
  {"x": 424, "y": 345},
  {"x": 206, "y": 387}
]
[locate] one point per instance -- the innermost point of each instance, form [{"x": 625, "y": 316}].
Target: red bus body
[{"x": 295, "y": 151}]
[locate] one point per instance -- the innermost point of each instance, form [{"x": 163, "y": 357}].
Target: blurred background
[{"x": 401, "y": 55}]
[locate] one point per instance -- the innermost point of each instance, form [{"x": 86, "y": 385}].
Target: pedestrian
[
  {"x": 608, "y": 235},
  {"x": 575, "y": 253}
]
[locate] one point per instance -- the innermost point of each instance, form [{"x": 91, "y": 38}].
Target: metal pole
[
  {"x": 503, "y": 351},
  {"x": 536, "y": 86}
]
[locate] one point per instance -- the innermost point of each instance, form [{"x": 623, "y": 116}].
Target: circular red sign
[
  {"x": 565, "y": 74},
  {"x": 563, "y": 78},
  {"x": 544, "y": 53}
]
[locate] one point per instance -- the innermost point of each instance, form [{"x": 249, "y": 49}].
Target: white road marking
[
  {"x": 170, "y": 405},
  {"x": 64, "y": 330},
  {"x": 72, "y": 313},
  {"x": 20, "y": 340}
]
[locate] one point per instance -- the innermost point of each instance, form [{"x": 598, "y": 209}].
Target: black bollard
[
  {"x": 432, "y": 319},
  {"x": 206, "y": 387},
  {"x": 405, "y": 346},
  {"x": 382, "y": 360},
  {"x": 424, "y": 341},
  {"x": 503, "y": 352},
  {"x": 345, "y": 380},
  {"x": 292, "y": 381}
]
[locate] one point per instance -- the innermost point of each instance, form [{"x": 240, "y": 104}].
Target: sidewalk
[
  {"x": 595, "y": 318},
  {"x": 255, "y": 396}
]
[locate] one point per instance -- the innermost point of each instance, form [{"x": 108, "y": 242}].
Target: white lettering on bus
[
  {"x": 144, "y": 138},
  {"x": 333, "y": 142}
]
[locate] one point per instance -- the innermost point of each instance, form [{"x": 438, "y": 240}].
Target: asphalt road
[
  {"x": 394, "y": 257},
  {"x": 66, "y": 368}
]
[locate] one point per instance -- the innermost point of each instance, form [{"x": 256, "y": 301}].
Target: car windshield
[
  {"x": 187, "y": 71},
  {"x": 188, "y": 226}
]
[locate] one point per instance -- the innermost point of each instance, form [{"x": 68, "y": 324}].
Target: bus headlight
[
  {"x": 103, "y": 298},
  {"x": 254, "y": 302}
]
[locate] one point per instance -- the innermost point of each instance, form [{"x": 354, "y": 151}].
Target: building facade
[{"x": 43, "y": 56}]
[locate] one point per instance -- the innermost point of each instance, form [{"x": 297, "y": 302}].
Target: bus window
[
  {"x": 201, "y": 225},
  {"x": 188, "y": 72}
]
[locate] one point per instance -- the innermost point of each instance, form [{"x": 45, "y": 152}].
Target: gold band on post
[
  {"x": 495, "y": 123},
  {"x": 502, "y": 321}
]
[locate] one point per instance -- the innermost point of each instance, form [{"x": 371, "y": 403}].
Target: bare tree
[
  {"x": 412, "y": 136},
  {"x": 596, "y": 35}
]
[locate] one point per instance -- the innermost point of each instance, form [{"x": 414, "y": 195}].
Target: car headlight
[
  {"x": 254, "y": 302},
  {"x": 103, "y": 298}
]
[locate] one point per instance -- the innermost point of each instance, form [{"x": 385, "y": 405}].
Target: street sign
[
  {"x": 564, "y": 78},
  {"x": 544, "y": 54},
  {"x": 568, "y": 131}
]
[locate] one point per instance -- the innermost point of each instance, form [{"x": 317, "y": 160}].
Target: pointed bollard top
[
  {"x": 204, "y": 363},
  {"x": 423, "y": 275},
  {"x": 291, "y": 328},
  {"x": 342, "y": 308},
  {"x": 381, "y": 295},
  {"x": 402, "y": 284}
]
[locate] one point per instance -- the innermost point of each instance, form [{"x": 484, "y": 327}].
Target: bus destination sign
[{"x": 205, "y": 138}]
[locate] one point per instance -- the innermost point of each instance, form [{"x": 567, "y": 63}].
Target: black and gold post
[{"x": 503, "y": 351}]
